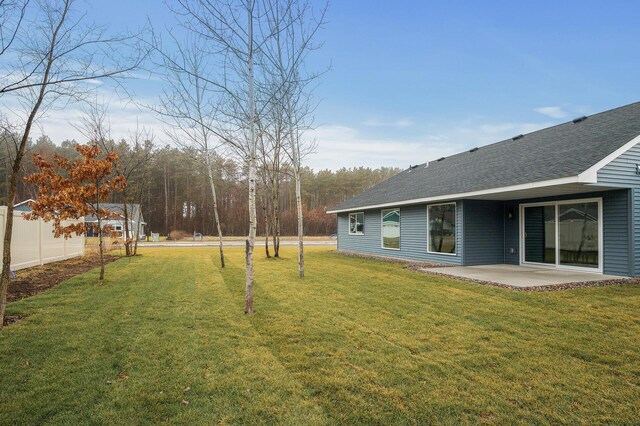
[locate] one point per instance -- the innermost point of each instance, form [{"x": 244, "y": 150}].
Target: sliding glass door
[
  {"x": 578, "y": 226},
  {"x": 540, "y": 234},
  {"x": 563, "y": 233}
]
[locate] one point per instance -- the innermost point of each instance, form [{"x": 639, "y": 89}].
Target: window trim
[
  {"x": 349, "y": 224},
  {"x": 455, "y": 235},
  {"x": 382, "y": 227}
]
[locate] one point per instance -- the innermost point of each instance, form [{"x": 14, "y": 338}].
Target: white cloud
[
  {"x": 552, "y": 111},
  {"x": 343, "y": 146},
  {"x": 61, "y": 125},
  {"x": 400, "y": 123}
]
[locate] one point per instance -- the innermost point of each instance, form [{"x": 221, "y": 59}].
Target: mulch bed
[{"x": 32, "y": 281}]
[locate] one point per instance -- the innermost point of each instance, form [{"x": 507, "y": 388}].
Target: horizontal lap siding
[
  {"x": 413, "y": 235},
  {"x": 616, "y": 232},
  {"x": 512, "y": 233},
  {"x": 622, "y": 172},
  {"x": 483, "y": 232}
]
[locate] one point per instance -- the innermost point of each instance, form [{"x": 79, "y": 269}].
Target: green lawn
[{"x": 357, "y": 342}]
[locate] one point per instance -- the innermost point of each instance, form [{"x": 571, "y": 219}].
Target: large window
[
  {"x": 391, "y": 229},
  {"x": 356, "y": 223},
  {"x": 442, "y": 228}
]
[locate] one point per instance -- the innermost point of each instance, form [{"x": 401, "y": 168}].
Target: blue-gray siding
[
  {"x": 622, "y": 172},
  {"x": 483, "y": 232},
  {"x": 616, "y": 233},
  {"x": 413, "y": 235}
]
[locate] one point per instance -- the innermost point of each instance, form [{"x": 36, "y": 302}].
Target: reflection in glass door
[
  {"x": 564, "y": 233},
  {"x": 578, "y": 231},
  {"x": 540, "y": 234}
]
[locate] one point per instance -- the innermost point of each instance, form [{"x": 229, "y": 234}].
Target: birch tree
[
  {"x": 233, "y": 32},
  {"x": 297, "y": 25},
  {"x": 52, "y": 56},
  {"x": 189, "y": 106}
]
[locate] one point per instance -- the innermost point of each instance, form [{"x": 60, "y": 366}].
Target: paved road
[{"x": 235, "y": 243}]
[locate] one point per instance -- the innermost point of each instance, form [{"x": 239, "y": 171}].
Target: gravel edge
[
  {"x": 538, "y": 288},
  {"x": 411, "y": 263}
]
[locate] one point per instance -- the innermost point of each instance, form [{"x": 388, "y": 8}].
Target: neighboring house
[
  {"x": 136, "y": 220},
  {"x": 23, "y": 206},
  {"x": 563, "y": 197}
]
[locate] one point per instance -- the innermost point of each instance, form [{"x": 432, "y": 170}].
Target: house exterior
[
  {"x": 565, "y": 197},
  {"x": 136, "y": 220}
]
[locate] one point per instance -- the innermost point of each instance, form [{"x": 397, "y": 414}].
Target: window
[
  {"x": 356, "y": 223},
  {"x": 391, "y": 229},
  {"x": 442, "y": 228}
]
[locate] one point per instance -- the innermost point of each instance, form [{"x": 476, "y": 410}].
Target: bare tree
[
  {"x": 272, "y": 156},
  {"x": 12, "y": 13},
  {"x": 297, "y": 26},
  {"x": 256, "y": 45},
  {"x": 190, "y": 108},
  {"x": 233, "y": 31},
  {"x": 55, "y": 54}
]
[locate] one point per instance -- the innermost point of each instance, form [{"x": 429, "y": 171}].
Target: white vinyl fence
[{"x": 33, "y": 242}]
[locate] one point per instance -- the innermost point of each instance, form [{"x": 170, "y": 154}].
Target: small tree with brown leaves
[{"x": 74, "y": 189}]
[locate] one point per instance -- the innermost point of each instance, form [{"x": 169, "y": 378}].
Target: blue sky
[{"x": 412, "y": 81}]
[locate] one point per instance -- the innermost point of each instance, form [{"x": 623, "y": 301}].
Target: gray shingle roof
[{"x": 560, "y": 151}]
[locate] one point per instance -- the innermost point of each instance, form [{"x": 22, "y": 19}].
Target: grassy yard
[{"x": 357, "y": 342}]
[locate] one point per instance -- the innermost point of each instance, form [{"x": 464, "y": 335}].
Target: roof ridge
[{"x": 524, "y": 135}]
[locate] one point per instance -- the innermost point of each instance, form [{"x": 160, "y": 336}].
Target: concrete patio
[{"x": 520, "y": 276}]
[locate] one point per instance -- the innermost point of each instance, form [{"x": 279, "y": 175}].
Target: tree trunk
[
  {"x": 135, "y": 241},
  {"x": 5, "y": 276},
  {"x": 275, "y": 205},
  {"x": 140, "y": 197},
  {"x": 166, "y": 203},
  {"x": 8, "y": 229},
  {"x": 300, "y": 223},
  {"x": 215, "y": 208},
  {"x": 127, "y": 242},
  {"x": 267, "y": 229},
  {"x": 251, "y": 239},
  {"x": 101, "y": 240}
]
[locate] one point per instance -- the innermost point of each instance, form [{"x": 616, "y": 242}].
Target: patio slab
[{"x": 520, "y": 276}]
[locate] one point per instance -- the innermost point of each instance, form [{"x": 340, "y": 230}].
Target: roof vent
[
  {"x": 474, "y": 149},
  {"x": 441, "y": 158},
  {"x": 579, "y": 119},
  {"x": 515, "y": 138},
  {"x": 412, "y": 167}
]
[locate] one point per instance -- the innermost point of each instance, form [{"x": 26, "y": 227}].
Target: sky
[{"x": 413, "y": 81}]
